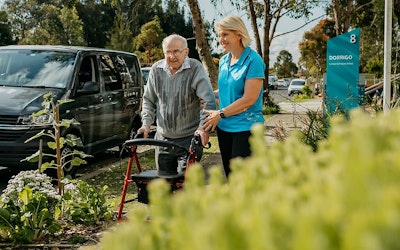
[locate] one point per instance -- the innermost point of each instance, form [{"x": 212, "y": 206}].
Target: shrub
[
  {"x": 28, "y": 210},
  {"x": 83, "y": 203},
  {"x": 270, "y": 107},
  {"x": 346, "y": 196}
]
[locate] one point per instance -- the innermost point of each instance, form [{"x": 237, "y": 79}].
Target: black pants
[
  {"x": 232, "y": 145},
  {"x": 172, "y": 161}
]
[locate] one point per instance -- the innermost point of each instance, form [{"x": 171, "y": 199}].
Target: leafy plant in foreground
[
  {"x": 50, "y": 115},
  {"x": 29, "y": 210},
  {"x": 83, "y": 203},
  {"x": 344, "y": 197}
]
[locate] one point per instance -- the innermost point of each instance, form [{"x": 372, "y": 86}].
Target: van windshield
[{"x": 36, "y": 68}]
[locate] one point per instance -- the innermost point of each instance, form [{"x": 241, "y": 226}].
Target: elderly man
[{"x": 176, "y": 91}]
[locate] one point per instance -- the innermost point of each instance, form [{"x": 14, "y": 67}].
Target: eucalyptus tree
[
  {"x": 313, "y": 46},
  {"x": 346, "y": 12},
  {"x": 201, "y": 42}
]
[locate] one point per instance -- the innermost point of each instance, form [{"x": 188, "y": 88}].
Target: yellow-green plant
[
  {"x": 346, "y": 196},
  {"x": 49, "y": 115}
]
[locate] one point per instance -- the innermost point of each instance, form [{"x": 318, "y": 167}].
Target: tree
[
  {"x": 72, "y": 26},
  {"x": 345, "y": 11},
  {"x": 5, "y": 32},
  {"x": 121, "y": 35},
  {"x": 148, "y": 43},
  {"x": 313, "y": 46},
  {"x": 98, "y": 19},
  {"x": 396, "y": 9},
  {"x": 45, "y": 23},
  {"x": 201, "y": 43},
  {"x": 284, "y": 65}
]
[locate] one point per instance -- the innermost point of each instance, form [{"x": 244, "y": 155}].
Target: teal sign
[{"x": 342, "y": 89}]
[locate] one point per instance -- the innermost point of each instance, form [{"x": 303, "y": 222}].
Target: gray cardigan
[{"x": 175, "y": 99}]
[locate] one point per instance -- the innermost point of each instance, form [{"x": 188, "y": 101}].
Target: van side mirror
[{"x": 89, "y": 88}]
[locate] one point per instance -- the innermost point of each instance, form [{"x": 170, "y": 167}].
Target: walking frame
[{"x": 143, "y": 178}]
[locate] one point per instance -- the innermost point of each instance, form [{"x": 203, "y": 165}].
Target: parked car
[
  {"x": 105, "y": 86},
  {"x": 272, "y": 82},
  {"x": 296, "y": 86},
  {"x": 281, "y": 83},
  {"x": 145, "y": 74},
  {"x": 287, "y": 80}
]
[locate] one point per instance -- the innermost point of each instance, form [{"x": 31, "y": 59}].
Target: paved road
[{"x": 287, "y": 104}]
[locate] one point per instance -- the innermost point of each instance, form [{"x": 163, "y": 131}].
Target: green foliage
[
  {"x": 85, "y": 204},
  {"x": 148, "y": 43},
  {"x": 28, "y": 210},
  {"x": 284, "y": 65},
  {"x": 285, "y": 197},
  {"x": 31, "y": 209},
  {"x": 47, "y": 116},
  {"x": 5, "y": 31},
  {"x": 315, "y": 129},
  {"x": 121, "y": 35},
  {"x": 375, "y": 67},
  {"x": 313, "y": 46},
  {"x": 306, "y": 93},
  {"x": 270, "y": 107}
]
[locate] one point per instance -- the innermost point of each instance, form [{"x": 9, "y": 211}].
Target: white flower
[{"x": 27, "y": 214}]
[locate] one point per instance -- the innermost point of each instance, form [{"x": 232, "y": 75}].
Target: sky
[{"x": 287, "y": 42}]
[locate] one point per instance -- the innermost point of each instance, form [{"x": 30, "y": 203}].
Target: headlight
[{"x": 44, "y": 119}]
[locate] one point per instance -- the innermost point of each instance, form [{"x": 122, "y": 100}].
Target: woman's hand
[{"x": 211, "y": 122}]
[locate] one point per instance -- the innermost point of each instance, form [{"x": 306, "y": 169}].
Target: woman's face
[{"x": 229, "y": 40}]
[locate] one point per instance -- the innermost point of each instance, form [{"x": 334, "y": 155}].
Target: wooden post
[{"x": 58, "y": 149}]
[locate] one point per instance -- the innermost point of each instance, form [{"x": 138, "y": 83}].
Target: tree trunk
[
  {"x": 254, "y": 26},
  {"x": 396, "y": 9},
  {"x": 267, "y": 42},
  {"x": 201, "y": 43}
]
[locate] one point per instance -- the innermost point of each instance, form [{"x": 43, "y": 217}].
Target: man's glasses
[{"x": 175, "y": 53}]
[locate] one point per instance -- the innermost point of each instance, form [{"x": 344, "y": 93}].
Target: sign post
[{"x": 342, "y": 89}]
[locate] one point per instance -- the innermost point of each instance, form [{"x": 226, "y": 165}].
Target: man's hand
[
  {"x": 145, "y": 130},
  {"x": 205, "y": 137}
]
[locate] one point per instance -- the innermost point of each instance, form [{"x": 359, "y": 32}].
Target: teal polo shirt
[{"x": 231, "y": 80}]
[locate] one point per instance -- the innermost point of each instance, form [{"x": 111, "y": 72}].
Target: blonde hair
[
  {"x": 235, "y": 24},
  {"x": 173, "y": 37}
]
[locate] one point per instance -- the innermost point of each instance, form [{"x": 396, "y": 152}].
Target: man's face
[{"x": 175, "y": 53}]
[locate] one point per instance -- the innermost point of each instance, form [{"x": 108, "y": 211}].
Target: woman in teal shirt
[{"x": 240, "y": 90}]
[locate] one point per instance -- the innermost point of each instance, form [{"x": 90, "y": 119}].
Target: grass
[{"x": 113, "y": 175}]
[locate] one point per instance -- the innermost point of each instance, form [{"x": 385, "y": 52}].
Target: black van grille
[
  {"x": 11, "y": 135},
  {"x": 8, "y": 119}
]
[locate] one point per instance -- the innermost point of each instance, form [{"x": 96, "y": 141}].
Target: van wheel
[{"x": 68, "y": 168}]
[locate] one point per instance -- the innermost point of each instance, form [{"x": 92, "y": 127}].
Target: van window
[
  {"x": 109, "y": 73},
  {"x": 34, "y": 68},
  {"x": 133, "y": 70},
  {"x": 87, "y": 71}
]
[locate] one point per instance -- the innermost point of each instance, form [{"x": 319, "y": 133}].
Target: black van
[{"x": 105, "y": 86}]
